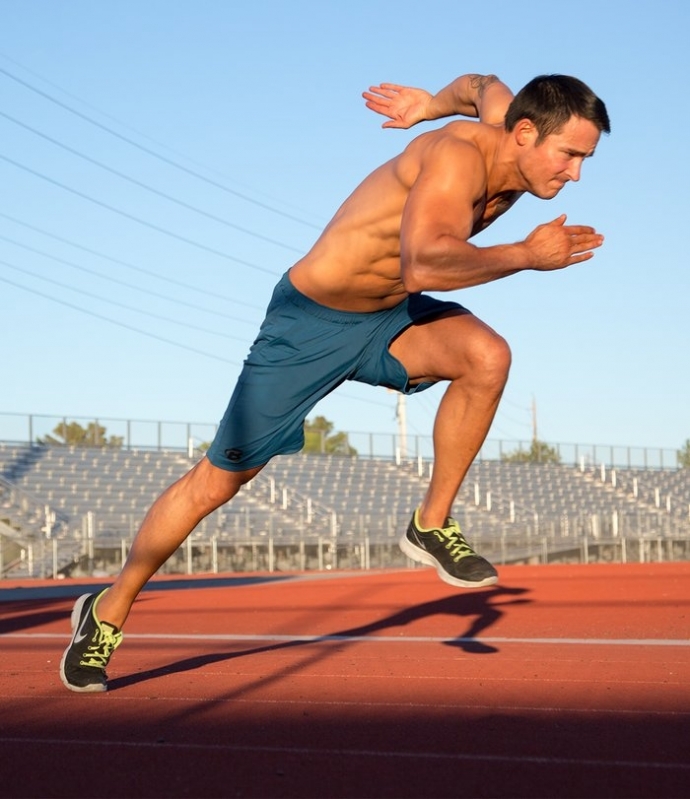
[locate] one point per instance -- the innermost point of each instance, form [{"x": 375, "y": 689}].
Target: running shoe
[
  {"x": 82, "y": 667},
  {"x": 446, "y": 549}
]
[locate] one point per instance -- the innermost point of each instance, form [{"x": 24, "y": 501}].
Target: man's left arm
[{"x": 480, "y": 96}]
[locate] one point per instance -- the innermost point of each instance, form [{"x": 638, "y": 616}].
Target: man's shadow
[{"x": 482, "y": 608}]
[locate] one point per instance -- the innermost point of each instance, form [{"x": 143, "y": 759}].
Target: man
[{"x": 353, "y": 309}]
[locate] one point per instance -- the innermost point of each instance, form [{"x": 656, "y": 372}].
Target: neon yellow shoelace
[
  {"x": 455, "y": 541},
  {"x": 98, "y": 654}
]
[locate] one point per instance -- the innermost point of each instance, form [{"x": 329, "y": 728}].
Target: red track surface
[{"x": 568, "y": 681}]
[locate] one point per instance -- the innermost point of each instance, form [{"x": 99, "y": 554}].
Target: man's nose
[{"x": 573, "y": 172}]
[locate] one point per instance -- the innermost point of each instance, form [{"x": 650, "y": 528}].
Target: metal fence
[
  {"x": 190, "y": 436},
  {"x": 60, "y": 558}
]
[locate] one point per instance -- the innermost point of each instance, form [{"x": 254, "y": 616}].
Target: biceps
[{"x": 433, "y": 222}]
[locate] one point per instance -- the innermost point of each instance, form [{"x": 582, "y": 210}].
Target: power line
[
  {"x": 120, "y": 304},
  {"x": 145, "y": 186},
  {"x": 152, "y": 153},
  {"x": 120, "y": 324},
  {"x": 140, "y": 133},
  {"x": 165, "y": 278},
  {"x": 137, "y": 219},
  {"x": 119, "y": 282}
]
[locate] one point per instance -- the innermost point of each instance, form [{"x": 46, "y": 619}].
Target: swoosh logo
[{"x": 80, "y": 634}]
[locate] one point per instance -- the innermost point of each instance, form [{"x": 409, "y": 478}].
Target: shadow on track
[{"x": 482, "y": 608}]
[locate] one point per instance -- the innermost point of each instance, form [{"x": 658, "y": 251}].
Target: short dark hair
[{"x": 549, "y": 101}]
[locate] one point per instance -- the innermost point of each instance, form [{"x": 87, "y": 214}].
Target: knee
[
  {"x": 491, "y": 360},
  {"x": 212, "y": 487}
]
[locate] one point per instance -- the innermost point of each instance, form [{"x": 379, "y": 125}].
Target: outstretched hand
[
  {"x": 403, "y": 105},
  {"x": 556, "y": 245}
]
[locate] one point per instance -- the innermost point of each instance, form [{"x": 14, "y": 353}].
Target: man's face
[{"x": 548, "y": 165}]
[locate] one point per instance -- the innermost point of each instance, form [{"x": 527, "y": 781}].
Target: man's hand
[
  {"x": 556, "y": 245},
  {"x": 404, "y": 105}
]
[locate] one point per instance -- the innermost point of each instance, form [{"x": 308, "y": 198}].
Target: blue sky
[{"x": 163, "y": 162}]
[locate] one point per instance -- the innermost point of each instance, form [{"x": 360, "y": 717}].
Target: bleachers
[{"x": 105, "y": 493}]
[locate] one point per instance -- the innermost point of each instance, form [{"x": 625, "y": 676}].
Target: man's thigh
[{"x": 445, "y": 347}]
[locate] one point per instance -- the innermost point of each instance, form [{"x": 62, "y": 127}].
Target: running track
[{"x": 562, "y": 681}]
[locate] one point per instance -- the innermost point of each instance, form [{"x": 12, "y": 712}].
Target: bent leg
[
  {"x": 465, "y": 351},
  {"x": 172, "y": 517}
]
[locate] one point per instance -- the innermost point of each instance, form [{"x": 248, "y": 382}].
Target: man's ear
[{"x": 525, "y": 132}]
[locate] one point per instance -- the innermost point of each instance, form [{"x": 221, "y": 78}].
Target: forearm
[
  {"x": 472, "y": 95},
  {"x": 453, "y": 264},
  {"x": 447, "y": 262}
]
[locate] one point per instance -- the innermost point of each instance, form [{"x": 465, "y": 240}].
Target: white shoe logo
[{"x": 79, "y": 637}]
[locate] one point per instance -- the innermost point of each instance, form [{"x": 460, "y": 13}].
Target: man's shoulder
[{"x": 462, "y": 143}]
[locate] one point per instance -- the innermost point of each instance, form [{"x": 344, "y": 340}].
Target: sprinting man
[{"x": 354, "y": 308}]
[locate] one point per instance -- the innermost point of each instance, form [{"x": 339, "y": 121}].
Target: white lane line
[
  {"x": 380, "y": 639},
  {"x": 340, "y": 753}
]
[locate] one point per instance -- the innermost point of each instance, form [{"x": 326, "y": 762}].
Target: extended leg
[
  {"x": 97, "y": 618},
  {"x": 170, "y": 520}
]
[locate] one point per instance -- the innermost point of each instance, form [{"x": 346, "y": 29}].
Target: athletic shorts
[{"x": 303, "y": 351}]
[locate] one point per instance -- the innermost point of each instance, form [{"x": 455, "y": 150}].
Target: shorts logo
[{"x": 233, "y": 454}]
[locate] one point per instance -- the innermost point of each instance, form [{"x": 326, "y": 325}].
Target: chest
[{"x": 488, "y": 210}]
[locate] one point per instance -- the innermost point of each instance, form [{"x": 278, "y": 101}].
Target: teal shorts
[{"x": 303, "y": 351}]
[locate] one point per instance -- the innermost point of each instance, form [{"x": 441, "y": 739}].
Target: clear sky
[{"x": 163, "y": 162}]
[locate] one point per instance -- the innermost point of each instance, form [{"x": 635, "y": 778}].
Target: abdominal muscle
[
  {"x": 336, "y": 285},
  {"x": 355, "y": 264}
]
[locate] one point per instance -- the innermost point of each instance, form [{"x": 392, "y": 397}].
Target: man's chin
[{"x": 548, "y": 193}]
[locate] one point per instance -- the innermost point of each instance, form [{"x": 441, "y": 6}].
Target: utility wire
[
  {"x": 143, "y": 135},
  {"x": 156, "y": 294},
  {"x": 121, "y": 304},
  {"x": 145, "y": 186},
  {"x": 119, "y": 324},
  {"x": 128, "y": 265},
  {"x": 152, "y": 153},
  {"x": 136, "y": 219}
]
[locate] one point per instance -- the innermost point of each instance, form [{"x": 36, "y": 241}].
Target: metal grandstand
[{"x": 75, "y": 510}]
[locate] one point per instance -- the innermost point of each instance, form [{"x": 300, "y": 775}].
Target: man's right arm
[
  {"x": 439, "y": 218},
  {"x": 481, "y": 96}
]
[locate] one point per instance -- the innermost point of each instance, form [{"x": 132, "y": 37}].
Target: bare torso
[{"x": 355, "y": 264}]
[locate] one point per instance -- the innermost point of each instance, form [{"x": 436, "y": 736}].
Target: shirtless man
[{"x": 353, "y": 309}]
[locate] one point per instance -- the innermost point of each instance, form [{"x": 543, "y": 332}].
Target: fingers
[
  {"x": 374, "y": 102},
  {"x": 579, "y": 230},
  {"x": 388, "y": 90},
  {"x": 390, "y": 87},
  {"x": 559, "y": 220},
  {"x": 579, "y": 258}
]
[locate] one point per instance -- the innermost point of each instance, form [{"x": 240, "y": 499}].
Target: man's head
[
  {"x": 556, "y": 122},
  {"x": 549, "y": 101}
]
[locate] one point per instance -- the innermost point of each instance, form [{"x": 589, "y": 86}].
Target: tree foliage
[
  {"x": 683, "y": 455},
  {"x": 74, "y": 435},
  {"x": 539, "y": 452},
  {"x": 319, "y": 438}
]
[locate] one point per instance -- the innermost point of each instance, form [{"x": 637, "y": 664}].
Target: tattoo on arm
[{"x": 480, "y": 82}]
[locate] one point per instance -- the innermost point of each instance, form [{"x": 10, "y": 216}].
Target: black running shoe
[
  {"x": 82, "y": 667},
  {"x": 446, "y": 549}
]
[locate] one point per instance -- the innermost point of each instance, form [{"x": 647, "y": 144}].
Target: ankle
[
  {"x": 429, "y": 520},
  {"x": 106, "y": 611}
]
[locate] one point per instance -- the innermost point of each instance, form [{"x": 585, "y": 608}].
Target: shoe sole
[
  {"x": 420, "y": 556},
  {"x": 74, "y": 621}
]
